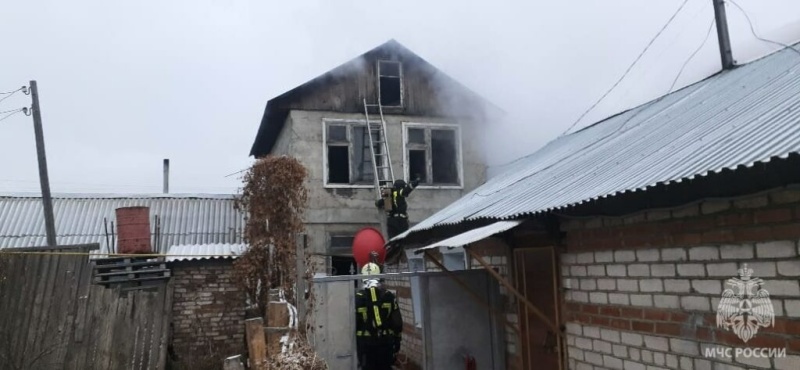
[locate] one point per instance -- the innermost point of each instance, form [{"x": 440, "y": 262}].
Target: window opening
[
  {"x": 349, "y": 158},
  {"x": 444, "y": 157},
  {"x": 390, "y": 83},
  {"x": 432, "y": 153}
]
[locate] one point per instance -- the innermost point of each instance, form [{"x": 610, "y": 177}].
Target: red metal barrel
[{"x": 133, "y": 230}]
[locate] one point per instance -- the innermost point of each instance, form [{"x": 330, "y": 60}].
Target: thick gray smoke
[{"x": 125, "y": 84}]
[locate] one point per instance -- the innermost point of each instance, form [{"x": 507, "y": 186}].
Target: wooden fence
[{"x": 53, "y": 317}]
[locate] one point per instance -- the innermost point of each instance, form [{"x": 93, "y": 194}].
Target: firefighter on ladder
[
  {"x": 379, "y": 324},
  {"x": 397, "y": 210}
]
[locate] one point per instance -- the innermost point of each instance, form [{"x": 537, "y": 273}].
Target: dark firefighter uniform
[
  {"x": 397, "y": 216},
  {"x": 379, "y": 326}
]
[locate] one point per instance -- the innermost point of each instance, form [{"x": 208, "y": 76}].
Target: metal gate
[{"x": 453, "y": 322}]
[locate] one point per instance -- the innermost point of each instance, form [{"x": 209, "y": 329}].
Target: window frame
[
  {"x": 428, "y": 158},
  {"x": 349, "y": 123},
  {"x": 400, "y": 78}
]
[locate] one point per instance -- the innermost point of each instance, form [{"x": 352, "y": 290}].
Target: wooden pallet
[{"x": 131, "y": 273}]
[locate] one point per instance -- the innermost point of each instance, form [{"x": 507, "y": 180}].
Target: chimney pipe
[
  {"x": 166, "y": 176},
  {"x": 722, "y": 34}
]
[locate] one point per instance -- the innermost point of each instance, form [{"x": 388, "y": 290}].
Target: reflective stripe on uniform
[
  {"x": 375, "y": 309},
  {"x": 363, "y": 312}
]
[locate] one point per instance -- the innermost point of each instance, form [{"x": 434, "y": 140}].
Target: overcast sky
[{"x": 124, "y": 84}]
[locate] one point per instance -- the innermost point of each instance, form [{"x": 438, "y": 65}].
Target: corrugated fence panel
[{"x": 53, "y": 317}]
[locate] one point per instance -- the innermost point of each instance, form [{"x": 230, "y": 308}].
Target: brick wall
[
  {"x": 641, "y": 291},
  {"x": 207, "y": 311}
]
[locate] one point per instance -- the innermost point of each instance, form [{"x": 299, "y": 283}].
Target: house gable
[{"x": 425, "y": 91}]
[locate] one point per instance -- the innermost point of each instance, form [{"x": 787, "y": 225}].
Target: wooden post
[
  {"x": 471, "y": 292},
  {"x": 516, "y": 293},
  {"x": 300, "y": 290},
  {"x": 49, "y": 218},
  {"x": 256, "y": 343},
  {"x": 277, "y": 326}
]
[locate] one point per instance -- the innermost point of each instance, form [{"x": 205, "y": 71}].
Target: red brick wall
[
  {"x": 207, "y": 312},
  {"x": 642, "y": 290}
]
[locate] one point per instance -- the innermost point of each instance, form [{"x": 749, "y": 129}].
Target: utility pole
[
  {"x": 722, "y": 34},
  {"x": 49, "y": 218}
]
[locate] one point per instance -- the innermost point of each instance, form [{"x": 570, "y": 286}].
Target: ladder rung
[{"x": 383, "y": 167}]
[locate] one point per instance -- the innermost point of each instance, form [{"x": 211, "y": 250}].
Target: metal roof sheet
[
  {"x": 204, "y": 251},
  {"x": 185, "y": 218},
  {"x": 738, "y": 117},
  {"x": 472, "y": 236}
]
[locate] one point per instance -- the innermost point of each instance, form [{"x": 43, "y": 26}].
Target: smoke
[{"x": 191, "y": 84}]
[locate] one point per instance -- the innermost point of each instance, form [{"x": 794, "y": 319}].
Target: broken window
[
  {"x": 432, "y": 154},
  {"x": 390, "y": 83},
  {"x": 348, "y": 155},
  {"x": 444, "y": 157}
]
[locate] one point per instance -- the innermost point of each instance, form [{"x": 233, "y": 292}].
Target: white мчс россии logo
[{"x": 745, "y": 306}]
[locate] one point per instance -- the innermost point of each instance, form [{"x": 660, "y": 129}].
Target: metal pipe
[
  {"x": 726, "y": 55},
  {"x": 166, "y": 176}
]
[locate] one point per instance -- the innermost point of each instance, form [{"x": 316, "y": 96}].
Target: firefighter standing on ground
[
  {"x": 379, "y": 324},
  {"x": 397, "y": 215}
]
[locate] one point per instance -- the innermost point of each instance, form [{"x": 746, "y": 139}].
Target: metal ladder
[{"x": 382, "y": 171}]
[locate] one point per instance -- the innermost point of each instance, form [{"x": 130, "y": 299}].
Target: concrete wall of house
[
  {"x": 347, "y": 209},
  {"x": 497, "y": 254},
  {"x": 208, "y": 311},
  {"x": 642, "y": 291}
]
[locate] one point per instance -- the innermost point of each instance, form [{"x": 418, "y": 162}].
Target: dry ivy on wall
[{"x": 273, "y": 198}]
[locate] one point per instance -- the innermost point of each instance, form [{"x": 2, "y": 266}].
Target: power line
[
  {"x": 12, "y": 92},
  {"x": 12, "y": 113},
  {"x": 708, "y": 33},
  {"x": 755, "y": 34},
  {"x": 629, "y": 67},
  {"x": 13, "y": 110},
  {"x": 621, "y": 126},
  {"x": 237, "y": 172}
]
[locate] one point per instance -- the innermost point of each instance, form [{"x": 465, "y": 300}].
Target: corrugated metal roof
[
  {"x": 204, "y": 251},
  {"x": 185, "y": 218},
  {"x": 739, "y": 117},
  {"x": 472, "y": 236}
]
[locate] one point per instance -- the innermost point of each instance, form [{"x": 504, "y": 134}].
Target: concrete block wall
[
  {"x": 208, "y": 310},
  {"x": 641, "y": 292}
]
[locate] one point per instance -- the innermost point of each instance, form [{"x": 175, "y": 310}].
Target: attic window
[{"x": 390, "y": 84}]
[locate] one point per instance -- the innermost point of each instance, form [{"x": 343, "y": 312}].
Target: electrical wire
[
  {"x": 703, "y": 9},
  {"x": 652, "y": 41},
  {"x": 755, "y": 34},
  {"x": 708, "y": 33},
  {"x": 634, "y": 115},
  {"x": 10, "y": 94},
  {"x": 13, "y": 112}
]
